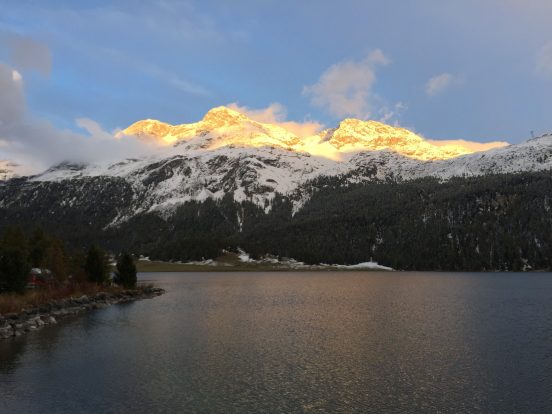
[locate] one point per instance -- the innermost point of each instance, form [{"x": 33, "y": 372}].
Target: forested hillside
[
  {"x": 493, "y": 222},
  {"x": 500, "y": 222}
]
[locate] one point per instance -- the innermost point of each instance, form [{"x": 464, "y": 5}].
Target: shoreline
[
  {"x": 250, "y": 270},
  {"x": 155, "y": 266},
  {"x": 152, "y": 266},
  {"x": 27, "y": 320}
]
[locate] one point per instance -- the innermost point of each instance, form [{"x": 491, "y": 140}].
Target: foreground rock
[{"x": 17, "y": 324}]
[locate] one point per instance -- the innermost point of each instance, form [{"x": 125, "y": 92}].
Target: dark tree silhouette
[
  {"x": 125, "y": 275},
  {"x": 14, "y": 263},
  {"x": 96, "y": 265}
]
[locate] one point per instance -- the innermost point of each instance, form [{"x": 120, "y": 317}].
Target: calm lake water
[{"x": 297, "y": 342}]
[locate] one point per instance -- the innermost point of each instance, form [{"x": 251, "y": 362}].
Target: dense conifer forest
[{"x": 493, "y": 222}]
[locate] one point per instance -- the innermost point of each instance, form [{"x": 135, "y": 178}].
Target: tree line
[
  {"x": 21, "y": 252},
  {"x": 491, "y": 222}
]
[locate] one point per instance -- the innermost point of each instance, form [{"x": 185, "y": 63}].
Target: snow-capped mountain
[
  {"x": 227, "y": 152},
  {"x": 225, "y": 127}
]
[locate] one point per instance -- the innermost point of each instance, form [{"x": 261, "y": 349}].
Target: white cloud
[
  {"x": 16, "y": 76},
  {"x": 391, "y": 115},
  {"x": 440, "y": 83},
  {"x": 276, "y": 113},
  {"x": 544, "y": 60},
  {"x": 346, "y": 88},
  {"x": 36, "y": 144},
  {"x": 12, "y": 99}
]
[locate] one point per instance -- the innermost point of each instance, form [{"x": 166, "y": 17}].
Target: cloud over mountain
[
  {"x": 346, "y": 88},
  {"x": 440, "y": 83},
  {"x": 35, "y": 144},
  {"x": 276, "y": 114}
]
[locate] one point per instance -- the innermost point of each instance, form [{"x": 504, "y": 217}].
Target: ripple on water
[{"x": 297, "y": 342}]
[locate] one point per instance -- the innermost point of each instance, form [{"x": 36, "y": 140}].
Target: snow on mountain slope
[
  {"x": 228, "y": 152},
  {"x": 355, "y": 135},
  {"x": 220, "y": 127},
  {"x": 532, "y": 155},
  {"x": 223, "y": 126},
  {"x": 254, "y": 174}
]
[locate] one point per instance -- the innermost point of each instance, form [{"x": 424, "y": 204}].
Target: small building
[{"x": 39, "y": 278}]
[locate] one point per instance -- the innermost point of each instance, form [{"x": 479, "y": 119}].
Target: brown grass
[{"x": 13, "y": 302}]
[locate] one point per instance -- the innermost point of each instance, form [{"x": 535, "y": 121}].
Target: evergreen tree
[
  {"x": 96, "y": 265},
  {"x": 38, "y": 247},
  {"x": 125, "y": 274},
  {"x": 14, "y": 263},
  {"x": 76, "y": 265},
  {"x": 56, "y": 260}
]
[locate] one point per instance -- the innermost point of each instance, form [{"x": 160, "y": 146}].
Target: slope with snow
[
  {"x": 223, "y": 127},
  {"x": 226, "y": 152}
]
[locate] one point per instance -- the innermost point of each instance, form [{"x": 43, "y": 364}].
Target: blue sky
[{"x": 469, "y": 69}]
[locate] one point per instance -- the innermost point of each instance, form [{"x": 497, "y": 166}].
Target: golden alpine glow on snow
[{"x": 223, "y": 126}]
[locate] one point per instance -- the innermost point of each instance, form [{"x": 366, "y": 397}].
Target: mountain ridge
[
  {"x": 351, "y": 135},
  {"x": 227, "y": 152},
  {"x": 214, "y": 190}
]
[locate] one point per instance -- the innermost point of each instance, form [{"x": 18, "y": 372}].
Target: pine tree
[
  {"x": 76, "y": 264},
  {"x": 38, "y": 246},
  {"x": 96, "y": 265},
  {"x": 125, "y": 274},
  {"x": 14, "y": 263},
  {"x": 56, "y": 260}
]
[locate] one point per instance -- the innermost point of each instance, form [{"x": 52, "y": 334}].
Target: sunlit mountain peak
[
  {"x": 221, "y": 126},
  {"x": 149, "y": 129},
  {"x": 354, "y": 135},
  {"x": 224, "y": 127},
  {"x": 223, "y": 116}
]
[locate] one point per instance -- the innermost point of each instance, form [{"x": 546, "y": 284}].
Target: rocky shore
[{"x": 17, "y": 324}]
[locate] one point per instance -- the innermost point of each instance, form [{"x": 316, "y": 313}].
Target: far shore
[
  {"x": 150, "y": 266},
  {"x": 153, "y": 266}
]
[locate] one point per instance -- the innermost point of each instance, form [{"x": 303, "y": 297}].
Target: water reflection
[{"x": 298, "y": 342}]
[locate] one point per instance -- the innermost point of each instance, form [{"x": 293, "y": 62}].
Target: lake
[{"x": 330, "y": 342}]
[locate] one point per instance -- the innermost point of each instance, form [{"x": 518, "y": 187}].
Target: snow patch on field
[
  {"x": 244, "y": 257},
  {"x": 361, "y": 266},
  {"x": 208, "y": 262},
  {"x": 286, "y": 262}
]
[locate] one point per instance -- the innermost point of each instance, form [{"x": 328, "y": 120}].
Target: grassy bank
[
  {"x": 153, "y": 266},
  {"x": 14, "y": 303}
]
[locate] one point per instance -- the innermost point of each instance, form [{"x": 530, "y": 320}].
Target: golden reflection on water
[{"x": 302, "y": 342}]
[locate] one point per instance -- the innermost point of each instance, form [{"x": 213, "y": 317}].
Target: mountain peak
[
  {"x": 371, "y": 134},
  {"x": 354, "y": 134},
  {"x": 224, "y": 126},
  {"x": 148, "y": 127},
  {"x": 222, "y": 115}
]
